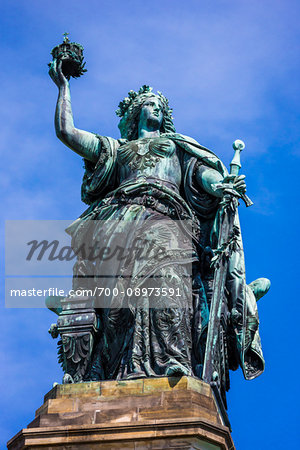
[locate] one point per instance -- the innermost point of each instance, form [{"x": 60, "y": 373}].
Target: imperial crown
[{"x": 71, "y": 55}]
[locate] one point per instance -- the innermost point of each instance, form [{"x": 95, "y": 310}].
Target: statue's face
[{"x": 151, "y": 114}]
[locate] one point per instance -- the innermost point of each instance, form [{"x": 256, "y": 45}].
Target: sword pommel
[{"x": 235, "y": 164}]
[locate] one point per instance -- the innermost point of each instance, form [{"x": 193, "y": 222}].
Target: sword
[
  {"x": 228, "y": 207},
  {"x": 235, "y": 166}
]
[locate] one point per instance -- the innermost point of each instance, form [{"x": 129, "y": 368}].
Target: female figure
[{"x": 154, "y": 178}]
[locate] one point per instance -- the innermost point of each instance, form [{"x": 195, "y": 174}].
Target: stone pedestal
[{"x": 151, "y": 413}]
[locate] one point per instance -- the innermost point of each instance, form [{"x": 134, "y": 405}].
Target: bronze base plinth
[{"x": 149, "y": 413}]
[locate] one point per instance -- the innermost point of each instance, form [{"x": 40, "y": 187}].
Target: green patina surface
[{"x": 153, "y": 172}]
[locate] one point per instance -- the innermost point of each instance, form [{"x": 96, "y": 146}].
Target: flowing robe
[{"x": 144, "y": 341}]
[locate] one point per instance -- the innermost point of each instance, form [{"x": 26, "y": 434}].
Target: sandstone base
[{"x": 150, "y": 413}]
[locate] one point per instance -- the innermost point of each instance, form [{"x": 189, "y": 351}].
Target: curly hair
[{"x": 129, "y": 123}]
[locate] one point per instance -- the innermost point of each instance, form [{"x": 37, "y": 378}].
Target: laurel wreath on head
[{"x": 129, "y": 110}]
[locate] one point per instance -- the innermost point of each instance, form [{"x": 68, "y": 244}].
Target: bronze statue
[{"x": 153, "y": 172}]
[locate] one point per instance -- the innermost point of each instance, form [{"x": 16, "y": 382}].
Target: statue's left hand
[{"x": 234, "y": 185}]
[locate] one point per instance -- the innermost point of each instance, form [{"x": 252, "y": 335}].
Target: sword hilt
[{"x": 235, "y": 166}]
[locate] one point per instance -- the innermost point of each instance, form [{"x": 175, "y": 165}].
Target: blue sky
[{"x": 230, "y": 70}]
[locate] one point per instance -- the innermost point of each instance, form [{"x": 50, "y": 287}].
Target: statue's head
[{"x": 144, "y": 105}]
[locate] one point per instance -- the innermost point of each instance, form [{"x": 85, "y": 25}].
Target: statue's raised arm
[{"x": 82, "y": 142}]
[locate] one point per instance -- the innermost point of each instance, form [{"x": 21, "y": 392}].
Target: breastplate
[{"x": 143, "y": 153}]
